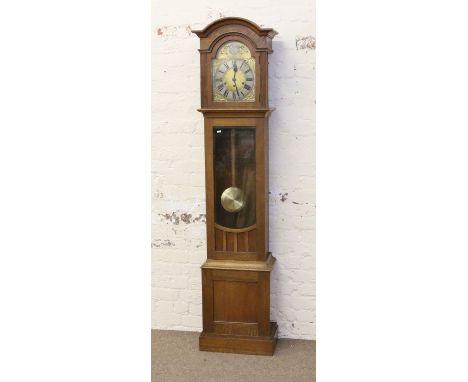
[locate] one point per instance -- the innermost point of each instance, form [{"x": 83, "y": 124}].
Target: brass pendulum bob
[{"x": 233, "y": 199}]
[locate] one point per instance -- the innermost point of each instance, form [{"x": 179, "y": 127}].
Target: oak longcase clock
[{"x": 234, "y": 102}]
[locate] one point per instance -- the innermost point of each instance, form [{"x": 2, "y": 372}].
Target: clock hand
[
  {"x": 234, "y": 78},
  {"x": 235, "y": 72},
  {"x": 235, "y": 85}
]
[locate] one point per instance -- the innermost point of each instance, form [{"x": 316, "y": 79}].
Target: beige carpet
[{"x": 175, "y": 358}]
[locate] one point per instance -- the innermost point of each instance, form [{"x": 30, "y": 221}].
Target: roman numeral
[
  {"x": 226, "y": 65},
  {"x": 247, "y": 87},
  {"x": 248, "y": 70},
  {"x": 220, "y": 87},
  {"x": 226, "y": 93}
]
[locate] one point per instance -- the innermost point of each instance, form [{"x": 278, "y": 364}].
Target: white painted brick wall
[{"x": 178, "y": 193}]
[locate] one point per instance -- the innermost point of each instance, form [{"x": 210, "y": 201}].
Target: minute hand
[{"x": 234, "y": 79}]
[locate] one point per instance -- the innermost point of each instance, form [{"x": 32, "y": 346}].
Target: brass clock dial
[
  {"x": 234, "y": 80},
  {"x": 234, "y": 74}
]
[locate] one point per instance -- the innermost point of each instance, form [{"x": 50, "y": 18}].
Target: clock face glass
[
  {"x": 233, "y": 74},
  {"x": 234, "y": 176}
]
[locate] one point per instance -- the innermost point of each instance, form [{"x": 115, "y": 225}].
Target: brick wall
[{"x": 178, "y": 193}]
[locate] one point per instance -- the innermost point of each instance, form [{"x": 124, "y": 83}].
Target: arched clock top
[
  {"x": 237, "y": 21},
  {"x": 230, "y": 26},
  {"x": 230, "y": 79}
]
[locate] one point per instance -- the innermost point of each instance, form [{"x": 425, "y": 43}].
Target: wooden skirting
[{"x": 240, "y": 344}]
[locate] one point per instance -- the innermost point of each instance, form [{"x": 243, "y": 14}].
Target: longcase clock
[{"x": 234, "y": 102}]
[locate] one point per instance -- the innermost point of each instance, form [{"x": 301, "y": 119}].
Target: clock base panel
[{"x": 223, "y": 343}]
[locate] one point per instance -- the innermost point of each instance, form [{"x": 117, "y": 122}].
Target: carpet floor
[{"x": 175, "y": 358}]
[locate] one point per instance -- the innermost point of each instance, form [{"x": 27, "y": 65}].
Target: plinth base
[{"x": 226, "y": 343}]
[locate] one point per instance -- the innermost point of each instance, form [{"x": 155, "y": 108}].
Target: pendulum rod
[{"x": 233, "y": 157}]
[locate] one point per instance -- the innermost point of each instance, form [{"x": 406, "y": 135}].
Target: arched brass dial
[
  {"x": 233, "y": 199},
  {"x": 233, "y": 71}
]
